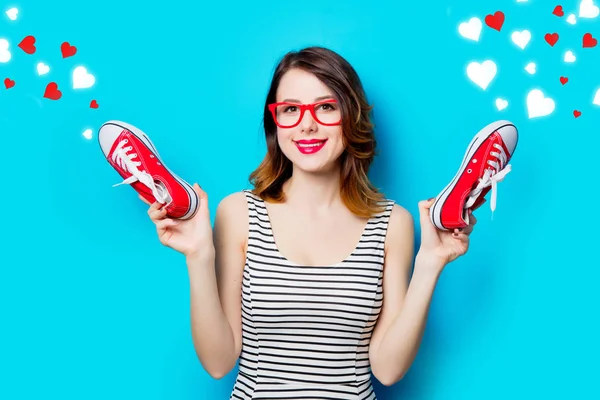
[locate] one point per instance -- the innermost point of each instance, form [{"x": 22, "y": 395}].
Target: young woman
[{"x": 306, "y": 278}]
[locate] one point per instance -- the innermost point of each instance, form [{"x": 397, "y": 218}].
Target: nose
[{"x": 308, "y": 123}]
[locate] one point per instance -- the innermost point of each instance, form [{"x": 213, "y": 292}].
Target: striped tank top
[{"x": 306, "y": 330}]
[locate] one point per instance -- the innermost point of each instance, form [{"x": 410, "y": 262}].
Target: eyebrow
[{"x": 317, "y": 99}]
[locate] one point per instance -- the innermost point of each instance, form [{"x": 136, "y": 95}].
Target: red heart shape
[
  {"x": 94, "y": 104},
  {"x": 564, "y": 79},
  {"x": 589, "y": 41},
  {"x": 495, "y": 21},
  {"x": 9, "y": 83},
  {"x": 576, "y": 113},
  {"x": 52, "y": 91},
  {"x": 558, "y": 11},
  {"x": 28, "y": 44},
  {"x": 67, "y": 50},
  {"x": 551, "y": 38}
]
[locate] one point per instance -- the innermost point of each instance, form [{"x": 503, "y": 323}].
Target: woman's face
[{"x": 310, "y": 146}]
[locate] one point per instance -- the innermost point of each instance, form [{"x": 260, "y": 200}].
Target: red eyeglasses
[{"x": 289, "y": 115}]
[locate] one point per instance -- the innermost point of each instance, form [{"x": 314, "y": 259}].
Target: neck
[{"x": 313, "y": 191}]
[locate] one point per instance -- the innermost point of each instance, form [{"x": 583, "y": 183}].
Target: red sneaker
[
  {"x": 484, "y": 165},
  {"x": 135, "y": 158}
]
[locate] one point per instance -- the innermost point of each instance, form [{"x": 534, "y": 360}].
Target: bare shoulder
[
  {"x": 400, "y": 227},
  {"x": 231, "y": 218},
  {"x": 233, "y": 204}
]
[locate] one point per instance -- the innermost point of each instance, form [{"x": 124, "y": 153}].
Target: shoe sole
[
  {"x": 482, "y": 135},
  {"x": 192, "y": 196}
]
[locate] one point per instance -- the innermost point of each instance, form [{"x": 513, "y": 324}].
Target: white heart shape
[
  {"x": 482, "y": 74},
  {"x": 42, "y": 68},
  {"x": 4, "y": 53},
  {"x": 538, "y": 105},
  {"x": 501, "y": 104},
  {"x": 87, "y": 134},
  {"x": 570, "y": 57},
  {"x": 530, "y": 68},
  {"x": 471, "y": 29},
  {"x": 597, "y": 98},
  {"x": 571, "y": 19},
  {"x": 12, "y": 14},
  {"x": 521, "y": 38},
  {"x": 81, "y": 78},
  {"x": 587, "y": 9}
]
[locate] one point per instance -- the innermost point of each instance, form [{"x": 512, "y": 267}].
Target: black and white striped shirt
[{"x": 306, "y": 330}]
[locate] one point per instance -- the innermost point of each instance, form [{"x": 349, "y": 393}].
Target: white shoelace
[
  {"x": 491, "y": 177},
  {"x": 124, "y": 159}
]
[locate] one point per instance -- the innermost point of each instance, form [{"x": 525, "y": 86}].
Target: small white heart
[
  {"x": 501, "y": 104},
  {"x": 87, "y": 134},
  {"x": 12, "y": 13},
  {"x": 521, "y": 38},
  {"x": 42, "y": 69},
  {"x": 538, "y": 105},
  {"x": 587, "y": 9},
  {"x": 5, "y": 55},
  {"x": 471, "y": 29},
  {"x": 569, "y": 57},
  {"x": 82, "y": 79},
  {"x": 597, "y": 98},
  {"x": 531, "y": 67},
  {"x": 571, "y": 19},
  {"x": 482, "y": 74}
]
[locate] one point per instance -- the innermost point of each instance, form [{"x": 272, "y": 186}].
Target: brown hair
[{"x": 357, "y": 191}]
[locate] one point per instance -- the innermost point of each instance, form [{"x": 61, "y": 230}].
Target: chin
[{"x": 314, "y": 166}]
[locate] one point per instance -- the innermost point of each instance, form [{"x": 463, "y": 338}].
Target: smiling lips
[{"x": 310, "y": 146}]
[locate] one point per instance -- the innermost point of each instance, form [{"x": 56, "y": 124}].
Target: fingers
[
  {"x": 460, "y": 236},
  {"x": 201, "y": 193},
  {"x": 466, "y": 230},
  {"x": 469, "y": 228},
  {"x": 424, "y": 206},
  {"x": 165, "y": 223},
  {"x": 157, "y": 213},
  {"x": 472, "y": 219}
]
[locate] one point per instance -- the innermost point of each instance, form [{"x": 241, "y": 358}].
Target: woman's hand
[
  {"x": 190, "y": 237},
  {"x": 440, "y": 247}
]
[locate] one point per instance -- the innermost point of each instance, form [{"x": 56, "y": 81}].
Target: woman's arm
[
  {"x": 399, "y": 330},
  {"x": 215, "y": 289}
]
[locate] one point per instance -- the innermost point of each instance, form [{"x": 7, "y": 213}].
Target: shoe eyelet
[
  {"x": 469, "y": 171},
  {"x": 474, "y": 161}
]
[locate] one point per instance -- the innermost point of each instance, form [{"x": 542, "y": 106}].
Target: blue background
[{"x": 93, "y": 307}]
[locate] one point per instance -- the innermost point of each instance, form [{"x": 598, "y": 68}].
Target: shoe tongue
[{"x": 162, "y": 189}]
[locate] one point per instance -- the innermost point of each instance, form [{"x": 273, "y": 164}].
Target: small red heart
[
  {"x": 28, "y": 44},
  {"x": 495, "y": 21},
  {"x": 9, "y": 83},
  {"x": 576, "y": 113},
  {"x": 52, "y": 91},
  {"x": 94, "y": 104},
  {"x": 564, "y": 79},
  {"x": 67, "y": 50},
  {"x": 558, "y": 11},
  {"x": 589, "y": 41},
  {"x": 551, "y": 38}
]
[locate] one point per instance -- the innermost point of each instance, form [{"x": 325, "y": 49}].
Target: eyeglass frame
[{"x": 303, "y": 107}]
